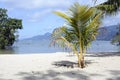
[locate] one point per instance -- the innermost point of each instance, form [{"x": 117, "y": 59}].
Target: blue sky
[{"x": 37, "y": 15}]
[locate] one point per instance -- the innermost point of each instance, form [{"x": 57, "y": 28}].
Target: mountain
[
  {"x": 46, "y": 36},
  {"x": 105, "y": 33}
]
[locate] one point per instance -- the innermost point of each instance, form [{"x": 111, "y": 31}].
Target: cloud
[
  {"x": 36, "y": 16},
  {"x": 40, "y": 8},
  {"x": 90, "y": 2},
  {"x": 111, "y": 20},
  {"x": 39, "y": 14},
  {"x": 35, "y": 9},
  {"x": 32, "y": 4}
]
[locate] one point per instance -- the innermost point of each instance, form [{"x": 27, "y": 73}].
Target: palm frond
[
  {"x": 110, "y": 7},
  {"x": 63, "y": 15}
]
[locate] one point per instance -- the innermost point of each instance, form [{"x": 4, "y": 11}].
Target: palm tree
[
  {"x": 82, "y": 23},
  {"x": 110, "y": 7}
]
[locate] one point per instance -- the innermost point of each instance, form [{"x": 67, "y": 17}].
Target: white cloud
[
  {"x": 39, "y": 7},
  {"x": 90, "y": 2},
  {"x": 111, "y": 20},
  {"x": 32, "y": 4},
  {"x": 37, "y": 15},
  {"x": 50, "y": 5}
]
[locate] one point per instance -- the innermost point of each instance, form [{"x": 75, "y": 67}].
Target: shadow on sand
[
  {"x": 115, "y": 75},
  {"x": 98, "y": 54},
  {"x": 70, "y": 74},
  {"x": 53, "y": 75},
  {"x": 70, "y": 64},
  {"x": 4, "y": 78},
  {"x": 66, "y": 75},
  {"x": 103, "y": 54}
]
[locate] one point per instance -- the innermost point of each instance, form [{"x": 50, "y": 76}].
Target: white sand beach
[{"x": 53, "y": 67}]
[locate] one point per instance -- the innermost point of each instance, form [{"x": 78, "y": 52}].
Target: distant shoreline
[{"x": 71, "y": 53}]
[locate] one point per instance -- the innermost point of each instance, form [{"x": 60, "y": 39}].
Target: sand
[{"x": 58, "y": 66}]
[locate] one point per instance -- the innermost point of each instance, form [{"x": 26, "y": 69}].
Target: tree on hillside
[
  {"x": 82, "y": 23},
  {"x": 8, "y": 28}
]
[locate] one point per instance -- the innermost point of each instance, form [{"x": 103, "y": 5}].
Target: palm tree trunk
[
  {"x": 79, "y": 65},
  {"x": 82, "y": 62},
  {"x": 81, "y": 57}
]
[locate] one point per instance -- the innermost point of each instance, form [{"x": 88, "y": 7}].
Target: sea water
[{"x": 43, "y": 46}]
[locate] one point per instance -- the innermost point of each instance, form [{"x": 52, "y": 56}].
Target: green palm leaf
[{"x": 62, "y": 15}]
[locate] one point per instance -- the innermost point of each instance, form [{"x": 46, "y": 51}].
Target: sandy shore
[{"x": 53, "y": 67}]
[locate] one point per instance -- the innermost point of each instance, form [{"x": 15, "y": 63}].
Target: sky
[{"x": 38, "y": 18}]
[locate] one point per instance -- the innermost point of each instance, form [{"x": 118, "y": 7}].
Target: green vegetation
[
  {"x": 81, "y": 28},
  {"x": 110, "y": 7},
  {"x": 8, "y": 28},
  {"x": 116, "y": 39}
]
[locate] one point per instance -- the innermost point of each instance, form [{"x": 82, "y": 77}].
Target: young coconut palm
[{"x": 82, "y": 23}]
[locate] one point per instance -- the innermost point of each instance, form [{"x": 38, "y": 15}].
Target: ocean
[{"x": 42, "y": 46}]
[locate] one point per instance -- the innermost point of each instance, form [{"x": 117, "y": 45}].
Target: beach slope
[{"x": 59, "y": 66}]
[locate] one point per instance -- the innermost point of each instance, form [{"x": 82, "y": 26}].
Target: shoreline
[
  {"x": 71, "y": 53},
  {"x": 66, "y": 52},
  {"x": 43, "y": 67}
]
